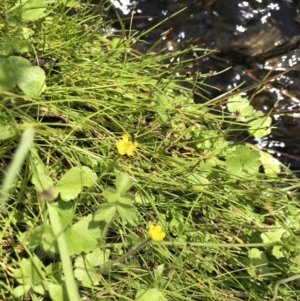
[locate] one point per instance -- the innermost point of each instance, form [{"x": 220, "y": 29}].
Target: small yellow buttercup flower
[
  {"x": 125, "y": 146},
  {"x": 156, "y": 233}
]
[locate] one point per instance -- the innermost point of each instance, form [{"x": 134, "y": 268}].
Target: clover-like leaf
[
  {"x": 272, "y": 236},
  {"x": 105, "y": 212},
  {"x": 243, "y": 158},
  {"x": 237, "y": 103},
  {"x": 257, "y": 262},
  {"x": 271, "y": 165},
  {"x": 260, "y": 127},
  {"x": 277, "y": 252},
  {"x": 127, "y": 213},
  {"x": 110, "y": 195},
  {"x": 123, "y": 182}
]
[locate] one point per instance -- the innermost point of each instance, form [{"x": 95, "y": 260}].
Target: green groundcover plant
[{"x": 116, "y": 186}]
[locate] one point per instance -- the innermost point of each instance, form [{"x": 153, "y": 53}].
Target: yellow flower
[
  {"x": 125, "y": 146},
  {"x": 156, "y": 233}
]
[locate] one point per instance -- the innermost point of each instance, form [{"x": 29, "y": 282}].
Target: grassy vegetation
[{"x": 75, "y": 217}]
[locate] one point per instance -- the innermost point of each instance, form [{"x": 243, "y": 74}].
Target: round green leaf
[
  {"x": 8, "y": 78},
  {"x": 21, "y": 45},
  {"x": 237, "y": 103},
  {"x": 57, "y": 292},
  {"x": 260, "y": 127},
  {"x": 32, "y": 80},
  {"x": 33, "y": 9},
  {"x": 72, "y": 182}
]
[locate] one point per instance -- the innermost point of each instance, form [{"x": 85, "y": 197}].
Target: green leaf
[
  {"x": 33, "y": 9},
  {"x": 257, "y": 263},
  {"x": 245, "y": 114},
  {"x": 296, "y": 260},
  {"x": 241, "y": 107},
  {"x": 16, "y": 70},
  {"x": 254, "y": 253},
  {"x": 276, "y": 252},
  {"x": 271, "y": 165},
  {"x": 199, "y": 183},
  {"x": 123, "y": 182},
  {"x": 54, "y": 270},
  {"x": 237, "y": 103},
  {"x": 126, "y": 199},
  {"x": 116, "y": 42},
  {"x": 85, "y": 270},
  {"x": 21, "y": 45},
  {"x": 110, "y": 195},
  {"x": 57, "y": 292},
  {"x": 72, "y": 182},
  {"x": 83, "y": 236},
  {"x": 127, "y": 213},
  {"x": 41, "y": 182},
  {"x": 42, "y": 234},
  {"x": 260, "y": 127},
  {"x": 159, "y": 270},
  {"x": 150, "y": 294},
  {"x": 8, "y": 79},
  {"x": 89, "y": 177},
  {"x": 272, "y": 236},
  {"x": 6, "y": 131},
  {"x": 243, "y": 158},
  {"x": 32, "y": 81},
  {"x": 29, "y": 271},
  {"x": 66, "y": 212},
  {"x": 21, "y": 290},
  {"x": 27, "y": 32},
  {"x": 40, "y": 289},
  {"x": 105, "y": 213},
  {"x": 49, "y": 241},
  {"x": 233, "y": 166}
]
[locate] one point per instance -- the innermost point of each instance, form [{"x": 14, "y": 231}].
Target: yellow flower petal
[
  {"x": 125, "y": 137},
  {"x": 125, "y": 146},
  {"x": 156, "y": 233}
]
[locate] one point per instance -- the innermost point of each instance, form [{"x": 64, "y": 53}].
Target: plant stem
[{"x": 71, "y": 285}]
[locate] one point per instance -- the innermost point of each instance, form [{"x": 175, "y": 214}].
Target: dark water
[{"x": 257, "y": 39}]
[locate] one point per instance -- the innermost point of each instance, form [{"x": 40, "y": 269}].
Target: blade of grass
[{"x": 15, "y": 165}]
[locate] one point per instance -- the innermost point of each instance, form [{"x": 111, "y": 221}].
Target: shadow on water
[{"x": 257, "y": 39}]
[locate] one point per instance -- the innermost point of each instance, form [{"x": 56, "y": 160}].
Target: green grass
[{"x": 76, "y": 205}]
